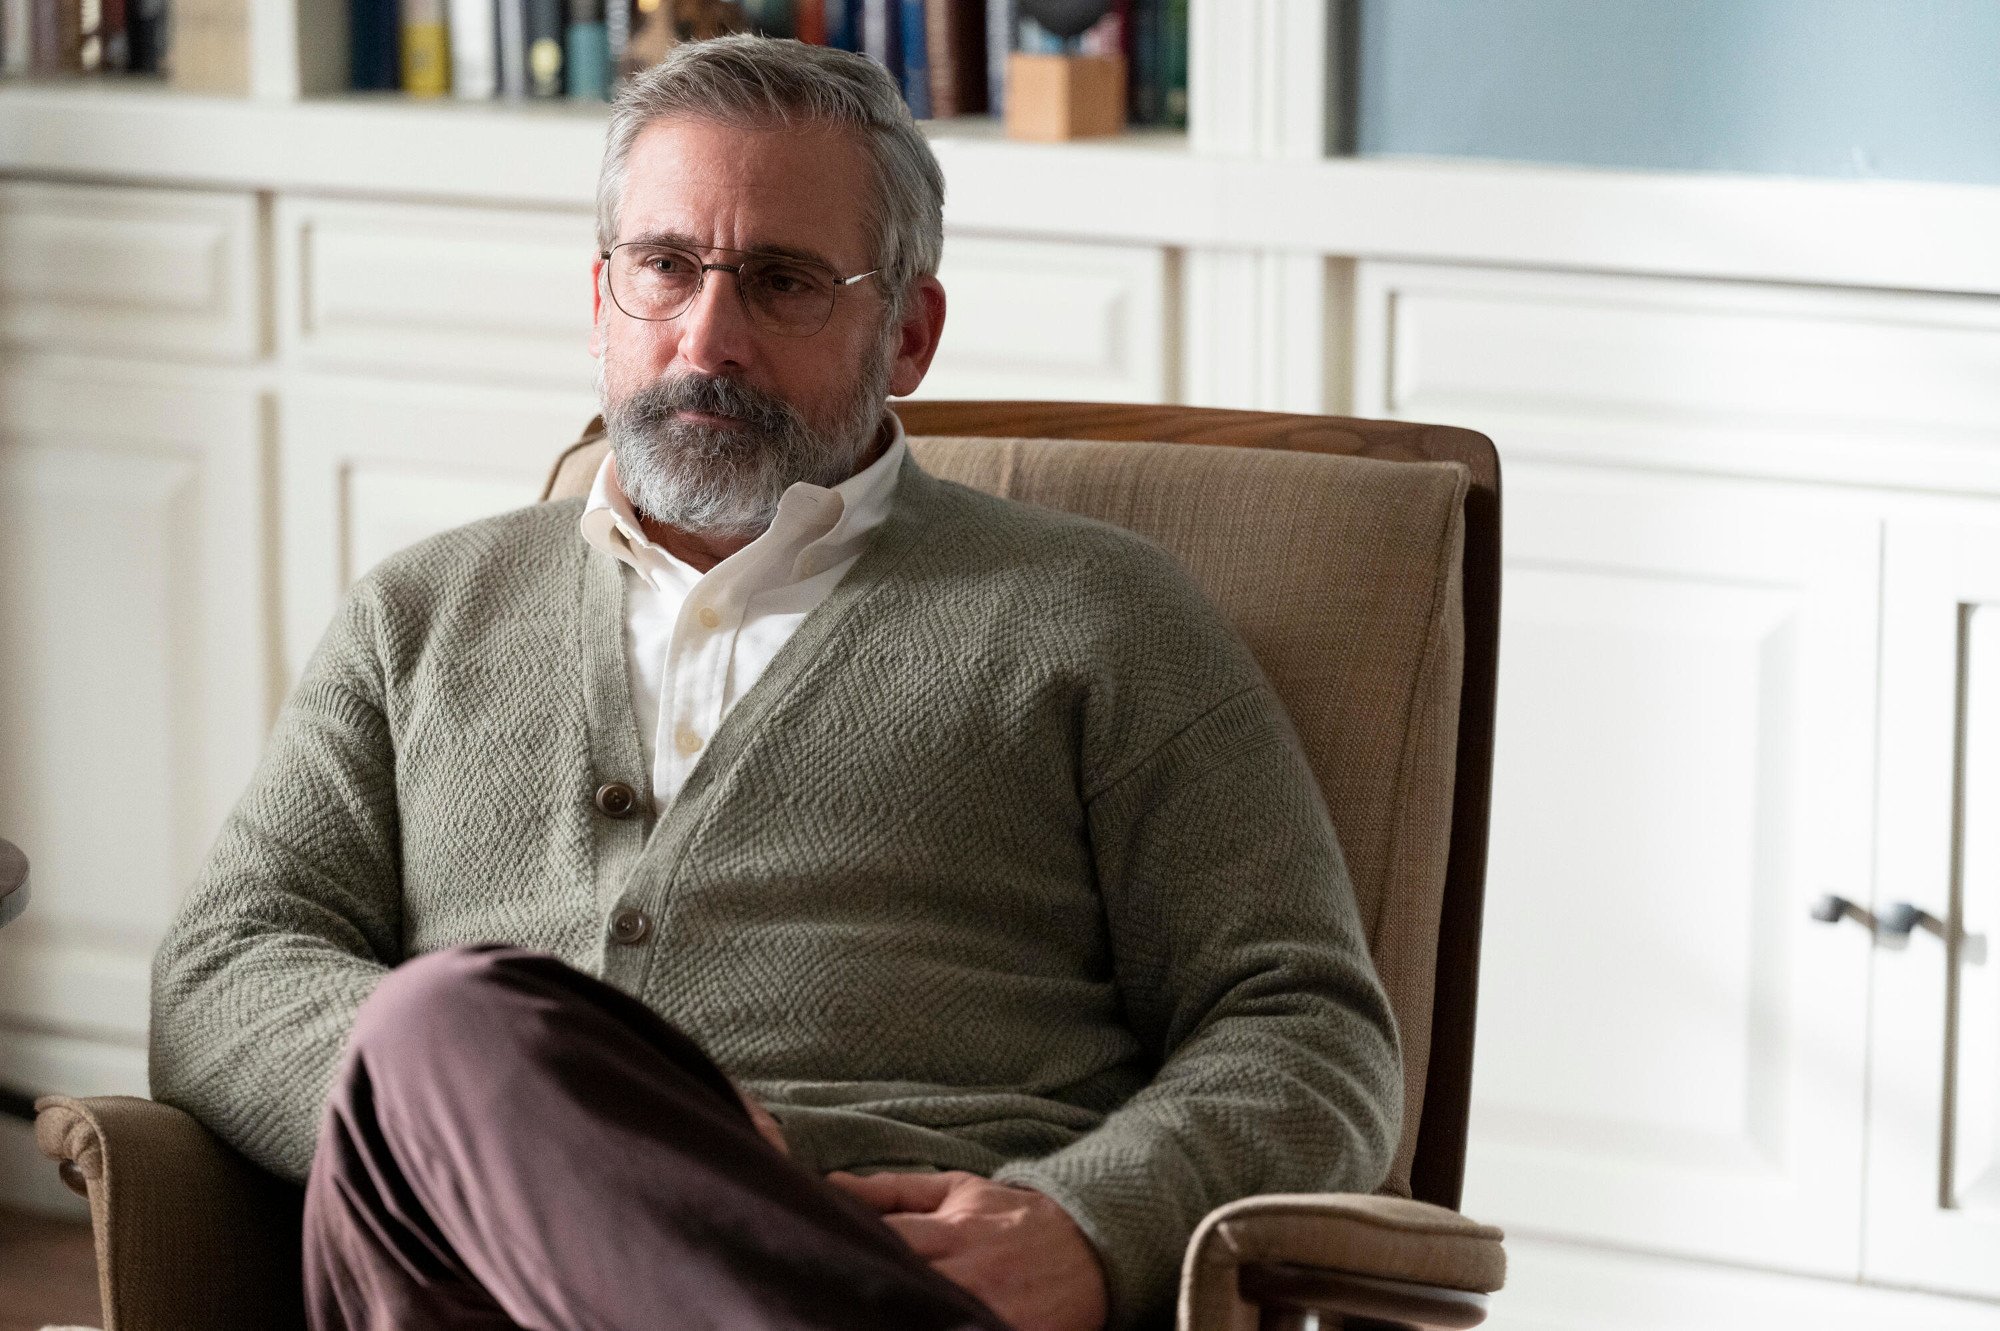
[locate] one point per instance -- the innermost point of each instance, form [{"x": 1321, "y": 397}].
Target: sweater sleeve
[
  {"x": 292, "y": 919},
  {"x": 1239, "y": 954}
]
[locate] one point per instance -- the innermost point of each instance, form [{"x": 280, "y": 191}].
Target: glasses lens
[
  {"x": 653, "y": 282},
  {"x": 787, "y": 296}
]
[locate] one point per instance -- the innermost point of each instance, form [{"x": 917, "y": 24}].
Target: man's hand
[{"x": 1013, "y": 1247}]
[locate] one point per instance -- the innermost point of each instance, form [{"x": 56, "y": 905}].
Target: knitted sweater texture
[{"x": 1010, "y": 863}]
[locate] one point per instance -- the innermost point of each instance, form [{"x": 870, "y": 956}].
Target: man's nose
[{"x": 715, "y": 327}]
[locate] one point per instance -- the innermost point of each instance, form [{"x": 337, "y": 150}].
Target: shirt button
[
  {"x": 708, "y": 617},
  {"x": 630, "y": 925},
  {"x": 615, "y": 799},
  {"x": 687, "y": 741}
]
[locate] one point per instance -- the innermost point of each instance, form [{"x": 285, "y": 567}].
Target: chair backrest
[{"x": 1360, "y": 561}]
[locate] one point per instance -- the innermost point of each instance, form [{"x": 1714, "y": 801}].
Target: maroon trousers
[{"x": 512, "y": 1143}]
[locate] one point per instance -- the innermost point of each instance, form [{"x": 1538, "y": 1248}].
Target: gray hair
[{"x": 760, "y": 83}]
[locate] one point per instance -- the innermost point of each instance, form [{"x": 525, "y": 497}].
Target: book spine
[
  {"x": 770, "y": 18},
  {"x": 958, "y": 57},
  {"x": 1001, "y": 21},
  {"x": 843, "y": 24},
  {"x": 545, "y": 48},
  {"x": 617, "y": 31},
  {"x": 145, "y": 35},
  {"x": 587, "y": 53},
  {"x": 55, "y": 39},
  {"x": 426, "y": 49},
  {"x": 115, "y": 31},
  {"x": 914, "y": 35},
  {"x": 475, "y": 72},
  {"x": 1174, "y": 64},
  {"x": 1144, "y": 90},
  {"x": 511, "y": 24},
  {"x": 878, "y": 34},
  {"x": 90, "y": 35},
  {"x": 13, "y": 37},
  {"x": 375, "y": 58},
  {"x": 810, "y": 20}
]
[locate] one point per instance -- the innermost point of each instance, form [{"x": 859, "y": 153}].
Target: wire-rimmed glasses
[{"x": 782, "y": 294}]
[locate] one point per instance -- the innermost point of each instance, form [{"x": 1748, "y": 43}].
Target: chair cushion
[{"x": 1342, "y": 574}]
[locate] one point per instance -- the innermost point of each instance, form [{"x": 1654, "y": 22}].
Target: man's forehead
[{"x": 805, "y": 190}]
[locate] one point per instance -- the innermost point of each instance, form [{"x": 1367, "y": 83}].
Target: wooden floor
[{"x": 48, "y": 1273}]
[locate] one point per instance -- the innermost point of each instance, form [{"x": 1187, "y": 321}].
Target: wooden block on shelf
[
  {"x": 1055, "y": 97},
  {"x": 208, "y": 46}
]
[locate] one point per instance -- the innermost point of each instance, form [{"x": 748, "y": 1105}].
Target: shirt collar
[{"x": 816, "y": 526}]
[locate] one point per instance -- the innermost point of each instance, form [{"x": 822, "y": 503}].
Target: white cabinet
[
  {"x": 135, "y": 688},
  {"x": 1746, "y": 664},
  {"x": 1934, "y": 1131},
  {"x": 1669, "y": 1048}
]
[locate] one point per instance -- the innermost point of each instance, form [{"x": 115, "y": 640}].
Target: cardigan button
[
  {"x": 615, "y": 799},
  {"x": 630, "y": 925}
]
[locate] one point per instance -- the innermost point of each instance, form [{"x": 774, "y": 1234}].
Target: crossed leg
[{"x": 512, "y": 1143}]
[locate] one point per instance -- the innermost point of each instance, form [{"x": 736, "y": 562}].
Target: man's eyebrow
[{"x": 681, "y": 240}]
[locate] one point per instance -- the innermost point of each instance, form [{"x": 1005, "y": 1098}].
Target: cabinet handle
[
  {"x": 1831, "y": 909},
  {"x": 1904, "y": 918}
]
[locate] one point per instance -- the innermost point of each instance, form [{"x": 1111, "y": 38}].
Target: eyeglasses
[{"x": 783, "y": 295}]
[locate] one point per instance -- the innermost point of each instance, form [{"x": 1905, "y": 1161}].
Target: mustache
[{"x": 653, "y": 407}]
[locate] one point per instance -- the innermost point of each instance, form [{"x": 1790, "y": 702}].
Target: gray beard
[{"x": 727, "y": 480}]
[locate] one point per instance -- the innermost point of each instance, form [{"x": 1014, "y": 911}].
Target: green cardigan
[{"x": 1010, "y": 862}]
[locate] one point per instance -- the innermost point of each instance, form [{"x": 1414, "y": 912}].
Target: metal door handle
[
  {"x": 1905, "y": 918},
  {"x": 1831, "y": 909}
]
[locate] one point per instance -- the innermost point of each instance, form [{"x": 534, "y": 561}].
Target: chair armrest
[
  {"x": 1400, "y": 1261},
  {"x": 190, "y": 1236}
]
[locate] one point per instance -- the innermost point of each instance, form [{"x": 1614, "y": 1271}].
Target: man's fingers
[
  {"x": 929, "y": 1237},
  {"x": 895, "y": 1192}
]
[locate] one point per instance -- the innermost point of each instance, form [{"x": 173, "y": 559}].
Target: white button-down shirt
[{"x": 696, "y": 642}]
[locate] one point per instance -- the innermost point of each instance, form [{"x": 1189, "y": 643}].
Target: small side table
[{"x": 14, "y": 900}]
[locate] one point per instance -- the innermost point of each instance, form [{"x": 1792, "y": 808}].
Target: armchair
[{"x": 1360, "y": 560}]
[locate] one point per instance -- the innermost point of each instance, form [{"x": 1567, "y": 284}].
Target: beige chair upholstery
[{"x": 1344, "y": 574}]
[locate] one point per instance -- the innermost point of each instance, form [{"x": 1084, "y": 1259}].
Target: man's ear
[
  {"x": 917, "y": 338},
  {"x": 597, "y": 307}
]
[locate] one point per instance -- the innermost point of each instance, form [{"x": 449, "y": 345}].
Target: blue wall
[{"x": 1904, "y": 89}]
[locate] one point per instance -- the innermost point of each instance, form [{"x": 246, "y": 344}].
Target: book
[
  {"x": 145, "y": 35},
  {"x": 809, "y": 22},
  {"x": 843, "y": 24},
  {"x": 544, "y": 34},
  {"x": 1145, "y": 96},
  {"x": 770, "y": 18},
  {"x": 956, "y": 30},
  {"x": 101, "y": 29},
  {"x": 426, "y": 49},
  {"x": 913, "y": 39},
  {"x": 880, "y": 41},
  {"x": 55, "y": 37},
  {"x": 475, "y": 49},
  {"x": 510, "y": 21},
  {"x": 1002, "y": 20},
  {"x": 586, "y": 53},
  {"x": 374, "y": 45},
  {"x": 617, "y": 32},
  {"x": 13, "y": 37},
  {"x": 1174, "y": 64}
]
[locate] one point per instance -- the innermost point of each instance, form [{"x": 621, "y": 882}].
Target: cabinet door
[
  {"x": 1934, "y": 1116},
  {"x": 370, "y": 467},
  {"x": 134, "y": 691},
  {"x": 1670, "y": 1050}
]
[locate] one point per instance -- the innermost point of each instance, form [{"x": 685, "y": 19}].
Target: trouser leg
[{"x": 511, "y": 1142}]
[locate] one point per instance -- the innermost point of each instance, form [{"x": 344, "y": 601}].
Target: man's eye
[
  {"x": 786, "y": 281},
  {"x": 667, "y": 264}
]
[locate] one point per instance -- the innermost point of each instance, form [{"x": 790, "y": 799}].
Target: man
[{"x": 964, "y": 837}]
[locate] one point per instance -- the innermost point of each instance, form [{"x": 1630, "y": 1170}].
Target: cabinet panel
[
  {"x": 371, "y": 467},
  {"x": 473, "y": 293},
  {"x": 1040, "y": 319},
  {"x": 1670, "y": 1051},
  {"x": 104, "y": 268},
  {"x": 134, "y": 692},
  {"x": 1934, "y": 1170}
]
